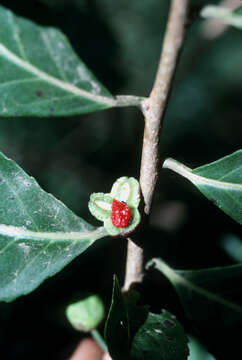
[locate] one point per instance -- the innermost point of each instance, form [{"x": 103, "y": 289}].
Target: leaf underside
[
  {"x": 40, "y": 74},
  {"x": 227, "y": 170},
  {"x": 39, "y": 235},
  {"x": 220, "y": 181}
]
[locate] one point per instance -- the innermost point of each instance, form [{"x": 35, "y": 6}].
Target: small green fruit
[
  {"x": 119, "y": 209},
  {"x": 86, "y": 314}
]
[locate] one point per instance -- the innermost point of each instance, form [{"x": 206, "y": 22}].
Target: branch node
[{"x": 154, "y": 110}]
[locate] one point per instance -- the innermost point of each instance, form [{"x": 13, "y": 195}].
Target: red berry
[{"x": 120, "y": 214}]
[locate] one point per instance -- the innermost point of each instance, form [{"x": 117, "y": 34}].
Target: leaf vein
[
  {"x": 68, "y": 87},
  {"x": 15, "y": 28},
  {"x": 20, "y": 202},
  {"x": 52, "y": 57}
]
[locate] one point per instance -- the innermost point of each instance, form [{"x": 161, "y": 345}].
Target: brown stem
[
  {"x": 134, "y": 265},
  {"x": 154, "y": 110}
]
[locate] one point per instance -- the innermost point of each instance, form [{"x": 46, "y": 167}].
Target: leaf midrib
[
  {"x": 198, "y": 179},
  {"x": 68, "y": 87},
  {"x": 176, "y": 278},
  {"x": 21, "y": 233}
]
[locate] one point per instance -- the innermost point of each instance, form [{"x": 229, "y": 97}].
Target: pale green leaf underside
[
  {"x": 197, "y": 351},
  {"x": 38, "y": 234},
  {"x": 225, "y": 15},
  {"x": 219, "y": 181},
  {"x": 40, "y": 74},
  {"x": 232, "y": 245}
]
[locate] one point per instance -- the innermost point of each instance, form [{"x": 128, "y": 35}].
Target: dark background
[{"x": 72, "y": 157}]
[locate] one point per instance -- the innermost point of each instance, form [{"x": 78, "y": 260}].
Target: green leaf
[
  {"x": 161, "y": 337},
  {"x": 117, "y": 333},
  {"x": 207, "y": 283},
  {"x": 40, "y": 75},
  {"x": 38, "y": 234},
  {"x": 220, "y": 181},
  {"x": 86, "y": 314},
  {"x": 141, "y": 335},
  {"x": 232, "y": 245},
  {"x": 197, "y": 351},
  {"x": 211, "y": 298},
  {"x": 237, "y": 11},
  {"x": 227, "y": 16}
]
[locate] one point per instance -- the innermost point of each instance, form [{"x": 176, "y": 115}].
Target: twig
[
  {"x": 134, "y": 265},
  {"x": 154, "y": 109}
]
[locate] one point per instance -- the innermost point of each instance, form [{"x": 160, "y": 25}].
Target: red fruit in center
[{"x": 120, "y": 214}]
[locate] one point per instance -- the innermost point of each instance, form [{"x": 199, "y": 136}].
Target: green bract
[{"x": 124, "y": 189}]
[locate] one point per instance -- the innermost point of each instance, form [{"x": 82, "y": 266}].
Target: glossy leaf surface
[
  {"x": 39, "y": 235},
  {"x": 117, "y": 332}
]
